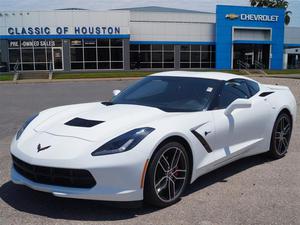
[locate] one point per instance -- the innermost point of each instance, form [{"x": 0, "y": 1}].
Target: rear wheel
[
  {"x": 167, "y": 175},
  {"x": 281, "y": 136}
]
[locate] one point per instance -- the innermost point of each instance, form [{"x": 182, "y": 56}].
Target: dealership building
[{"x": 148, "y": 38}]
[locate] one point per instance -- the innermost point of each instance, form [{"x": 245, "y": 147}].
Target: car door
[{"x": 242, "y": 130}]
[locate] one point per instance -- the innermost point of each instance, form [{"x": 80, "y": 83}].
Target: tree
[{"x": 282, "y": 4}]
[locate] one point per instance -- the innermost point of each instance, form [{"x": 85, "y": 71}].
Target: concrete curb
[
  {"x": 67, "y": 80},
  {"x": 283, "y": 76}
]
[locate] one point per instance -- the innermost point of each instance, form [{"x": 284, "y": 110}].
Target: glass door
[{"x": 57, "y": 59}]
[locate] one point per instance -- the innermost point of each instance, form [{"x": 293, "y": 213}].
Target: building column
[
  {"x": 177, "y": 57},
  {"x": 4, "y": 51},
  {"x": 66, "y": 55},
  {"x": 126, "y": 54}
]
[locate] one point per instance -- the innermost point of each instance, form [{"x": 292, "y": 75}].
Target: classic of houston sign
[
  {"x": 110, "y": 30},
  {"x": 253, "y": 17}
]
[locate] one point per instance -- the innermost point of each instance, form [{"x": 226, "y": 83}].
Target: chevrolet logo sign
[{"x": 232, "y": 16}]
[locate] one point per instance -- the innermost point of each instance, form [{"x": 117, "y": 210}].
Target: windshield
[{"x": 171, "y": 94}]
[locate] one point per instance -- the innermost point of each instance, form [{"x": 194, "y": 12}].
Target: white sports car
[{"x": 153, "y": 138}]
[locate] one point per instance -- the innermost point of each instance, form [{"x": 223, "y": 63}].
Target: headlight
[
  {"x": 124, "y": 142},
  {"x": 27, "y": 122}
]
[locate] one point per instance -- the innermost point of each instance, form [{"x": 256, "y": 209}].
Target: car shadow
[
  {"x": 26, "y": 200},
  {"x": 220, "y": 175}
]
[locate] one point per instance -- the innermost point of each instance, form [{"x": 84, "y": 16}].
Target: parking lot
[{"x": 254, "y": 190}]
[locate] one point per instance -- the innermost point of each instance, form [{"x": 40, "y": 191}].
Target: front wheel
[
  {"x": 167, "y": 175},
  {"x": 281, "y": 136}
]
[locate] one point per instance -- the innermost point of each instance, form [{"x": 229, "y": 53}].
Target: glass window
[
  {"x": 171, "y": 94},
  {"x": 40, "y": 66},
  {"x": 14, "y": 55},
  {"x": 157, "y": 65},
  {"x": 76, "y": 43},
  {"x": 196, "y": 65},
  {"x": 103, "y": 54},
  {"x": 116, "y": 54},
  {"x": 146, "y": 56},
  {"x": 169, "y": 47},
  {"x": 205, "y": 48},
  {"x": 90, "y": 54},
  {"x": 169, "y": 56},
  {"x": 116, "y": 42},
  {"x": 197, "y": 56},
  {"x": 205, "y": 56},
  {"x": 90, "y": 42},
  {"x": 185, "y": 48},
  {"x": 253, "y": 87},
  {"x": 157, "y": 57},
  {"x": 185, "y": 57},
  {"x": 76, "y": 66},
  {"x": 77, "y": 54},
  {"x": 90, "y": 65},
  {"x": 104, "y": 65},
  {"x": 145, "y": 47},
  {"x": 28, "y": 66},
  {"x": 157, "y": 47},
  {"x": 145, "y": 65},
  {"x": 117, "y": 65},
  {"x": 169, "y": 65},
  {"x": 152, "y": 56},
  {"x": 134, "y": 47},
  {"x": 14, "y": 44},
  {"x": 196, "y": 48},
  {"x": 231, "y": 91},
  {"x": 27, "y": 55},
  {"x": 40, "y": 55},
  {"x": 103, "y": 42}
]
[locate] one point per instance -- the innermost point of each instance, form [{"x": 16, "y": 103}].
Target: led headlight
[
  {"x": 23, "y": 127},
  {"x": 124, "y": 142}
]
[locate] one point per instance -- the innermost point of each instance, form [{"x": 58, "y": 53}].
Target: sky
[{"x": 201, "y": 5}]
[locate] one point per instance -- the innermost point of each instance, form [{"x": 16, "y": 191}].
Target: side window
[
  {"x": 253, "y": 87},
  {"x": 231, "y": 91}
]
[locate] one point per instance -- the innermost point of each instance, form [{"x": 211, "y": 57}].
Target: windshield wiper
[{"x": 107, "y": 103}]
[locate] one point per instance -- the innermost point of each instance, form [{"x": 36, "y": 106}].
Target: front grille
[{"x": 75, "y": 178}]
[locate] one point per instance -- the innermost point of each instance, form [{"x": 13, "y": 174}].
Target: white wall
[
  {"x": 169, "y": 26},
  {"x": 64, "y": 18}
]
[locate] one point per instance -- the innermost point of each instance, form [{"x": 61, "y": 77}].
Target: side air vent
[
  {"x": 264, "y": 94},
  {"x": 202, "y": 141},
  {"x": 79, "y": 122}
]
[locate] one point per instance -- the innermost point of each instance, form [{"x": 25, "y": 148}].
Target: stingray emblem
[
  {"x": 40, "y": 148},
  {"x": 232, "y": 16}
]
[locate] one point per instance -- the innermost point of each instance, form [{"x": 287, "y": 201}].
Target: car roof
[{"x": 207, "y": 75}]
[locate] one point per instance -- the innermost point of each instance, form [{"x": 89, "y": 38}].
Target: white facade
[
  {"x": 170, "y": 27},
  {"x": 63, "y": 22}
]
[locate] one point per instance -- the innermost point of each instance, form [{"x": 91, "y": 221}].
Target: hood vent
[{"x": 79, "y": 122}]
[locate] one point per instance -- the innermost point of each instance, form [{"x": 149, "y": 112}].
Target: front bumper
[
  {"x": 118, "y": 176},
  {"x": 95, "y": 193}
]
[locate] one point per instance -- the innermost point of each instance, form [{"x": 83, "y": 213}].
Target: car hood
[{"x": 96, "y": 122}]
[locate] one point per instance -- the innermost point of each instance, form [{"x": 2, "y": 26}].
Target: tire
[
  {"x": 167, "y": 176},
  {"x": 281, "y": 136}
]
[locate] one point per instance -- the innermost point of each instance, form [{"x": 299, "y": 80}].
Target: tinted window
[
  {"x": 253, "y": 87},
  {"x": 172, "y": 94},
  {"x": 231, "y": 91}
]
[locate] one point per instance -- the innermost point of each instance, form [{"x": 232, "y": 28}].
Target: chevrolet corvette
[{"x": 152, "y": 139}]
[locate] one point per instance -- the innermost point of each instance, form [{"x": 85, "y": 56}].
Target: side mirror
[
  {"x": 239, "y": 103},
  {"x": 116, "y": 92}
]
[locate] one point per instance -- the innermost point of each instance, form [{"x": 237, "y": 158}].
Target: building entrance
[{"x": 251, "y": 56}]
